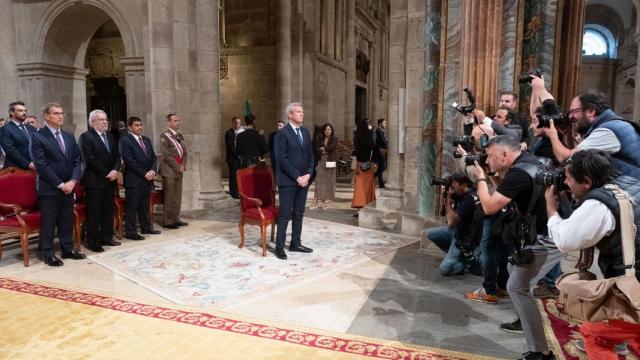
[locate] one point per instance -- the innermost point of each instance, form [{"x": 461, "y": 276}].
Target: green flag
[{"x": 247, "y": 107}]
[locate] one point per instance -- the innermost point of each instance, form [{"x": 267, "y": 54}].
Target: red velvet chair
[
  {"x": 79, "y": 211},
  {"x": 257, "y": 201},
  {"x": 18, "y": 206}
]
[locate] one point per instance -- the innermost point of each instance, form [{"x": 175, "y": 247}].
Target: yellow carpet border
[{"x": 264, "y": 329}]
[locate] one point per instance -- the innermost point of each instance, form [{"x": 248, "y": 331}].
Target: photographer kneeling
[
  {"x": 596, "y": 222},
  {"x": 460, "y": 207},
  {"x": 535, "y": 254}
]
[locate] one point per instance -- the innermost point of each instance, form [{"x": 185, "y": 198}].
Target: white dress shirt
[{"x": 588, "y": 224}]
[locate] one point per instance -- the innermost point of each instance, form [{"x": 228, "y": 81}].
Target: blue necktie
[
  {"x": 105, "y": 141},
  {"x": 299, "y": 136}
]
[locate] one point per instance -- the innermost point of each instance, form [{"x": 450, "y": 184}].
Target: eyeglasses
[{"x": 576, "y": 109}]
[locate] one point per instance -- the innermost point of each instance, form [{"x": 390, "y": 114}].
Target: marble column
[
  {"x": 508, "y": 45},
  {"x": 538, "y": 44},
  {"x": 283, "y": 54},
  {"x": 350, "y": 88},
  {"x": 481, "y": 51},
  {"x": 569, "y": 51},
  {"x": 430, "y": 96}
]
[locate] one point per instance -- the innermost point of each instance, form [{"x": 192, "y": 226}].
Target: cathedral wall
[{"x": 9, "y": 91}]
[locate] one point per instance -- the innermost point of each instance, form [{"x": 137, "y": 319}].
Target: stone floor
[{"x": 397, "y": 296}]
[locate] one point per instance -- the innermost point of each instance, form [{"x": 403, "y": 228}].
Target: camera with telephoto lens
[
  {"x": 521, "y": 257},
  {"x": 470, "y": 160},
  {"x": 466, "y": 141},
  {"x": 445, "y": 181},
  {"x": 547, "y": 178},
  {"x": 526, "y": 78},
  {"x": 466, "y": 109}
]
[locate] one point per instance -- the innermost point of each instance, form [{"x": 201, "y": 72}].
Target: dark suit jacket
[
  {"x": 136, "y": 163},
  {"x": 250, "y": 144},
  {"x": 292, "y": 159},
  {"x": 52, "y": 165},
  {"x": 97, "y": 161},
  {"x": 16, "y": 145},
  {"x": 232, "y": 155},
  {"x": 381, "y": 142}
]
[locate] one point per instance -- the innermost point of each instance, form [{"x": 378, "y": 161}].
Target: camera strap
[{"x": 531, "y": 170}]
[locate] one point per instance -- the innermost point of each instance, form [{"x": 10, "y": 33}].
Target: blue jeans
[
  {"x": 552, "y": 276},
  {"x": 453, "y": 263},
  {"x": 493, "y": 258}
]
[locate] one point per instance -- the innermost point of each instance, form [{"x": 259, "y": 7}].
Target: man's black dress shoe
[
  {"x": 95, "y": 248},
  {"x": 171, "y": 226},
  {"x": 74, "y": 255},
  {"x": 111, "y": 243},
  {"x": 280, "y": 254},
  {"x": 152, "y": 232},
  {"x": 181, "y": 223},
  {"x": 134, "y": 237},
  {"x": 300, "y": 248},
  {"x": 53, "y": 261}
]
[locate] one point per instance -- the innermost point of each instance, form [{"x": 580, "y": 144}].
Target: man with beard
[
  {"x": 601, "y": 128},
  {"x": 16, "y": 137}
]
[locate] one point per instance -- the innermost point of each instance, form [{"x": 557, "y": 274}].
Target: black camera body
[
  {"x": 466, "y": 109},
  {"x": 521, "y": 257},
  {"x": 559, "y": 120},
  {"x": 526, "y": 78},
  {"x": 470, "y": 160},
  {"x": 445, "y": 181},
  {"x": 554, "y": 177}
]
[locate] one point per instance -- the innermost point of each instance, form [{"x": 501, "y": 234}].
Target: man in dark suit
[
  {"x": 294, "y": 158},
  {"x": 172, "y": 167},
  {"x": 140, "y": 165},
  {"x": 272, "y": 142},
  {"x": 380, "y": 150},
  {"x": 16, "y": 137},
  {"x": 101, "y": 164},
  {"x": 250, "y": 144},
  {"x": 56, "y": 156},
  {"x": 230, "y": 140}
]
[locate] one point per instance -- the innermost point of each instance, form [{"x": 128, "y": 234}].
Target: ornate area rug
[
  {"x": 564, "y": 332},
  {"x": 45, "y": 321},
  {"x": 211, "y": 269}
]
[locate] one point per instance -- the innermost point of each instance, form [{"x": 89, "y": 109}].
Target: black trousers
[
  {"x": 99, "y": 215},
  {"x": 233, "y": 183},
  {"x": 137, "y": 207},
  {"x": 57, "y": 211},
  {"x": 292, "y": 201}
]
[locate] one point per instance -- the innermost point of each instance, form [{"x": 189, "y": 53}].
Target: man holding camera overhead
[
  {"x": 520, "y": 202},
  {"x": 600, "y": 127}
]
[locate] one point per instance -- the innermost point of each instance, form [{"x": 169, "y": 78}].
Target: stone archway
[{"x": 56, "y": 69}]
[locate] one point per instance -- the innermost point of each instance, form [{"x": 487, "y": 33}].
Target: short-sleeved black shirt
[{"x": 517, "y": 185}]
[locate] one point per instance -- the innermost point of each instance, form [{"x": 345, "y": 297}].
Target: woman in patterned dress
[{"x": 325, "y": 151}]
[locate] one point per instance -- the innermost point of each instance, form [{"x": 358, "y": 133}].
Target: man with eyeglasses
[
  {"x": 16, "y": 136},
  {"x": 601, "y": 129}
]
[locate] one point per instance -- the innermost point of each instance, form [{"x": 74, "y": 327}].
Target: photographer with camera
[
  {"x": 596, "y": 222},
  {"x": 600, "y": 127},
  {"x": 522, "y": 224},
  {"x": 504, "y": 123},
  {"x": 460, "y": 206}
]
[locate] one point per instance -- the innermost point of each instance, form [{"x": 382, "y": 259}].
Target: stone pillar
[
  {"x": 283, "y": 56},
  {"x": 397, "y": 57},
  {"x": 161, "y": 68},
  {"x": 206, "y": 185},
  {"x": 481, "y": 50},
  {"x": 350, "y": 88},
  {"x": 569, "y": 51},
  {"x": 431, "y": 96},
  {"x": 135, "y": 85}
]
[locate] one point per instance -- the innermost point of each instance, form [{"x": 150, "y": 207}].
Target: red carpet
[{"x": 563, "y": 332}]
